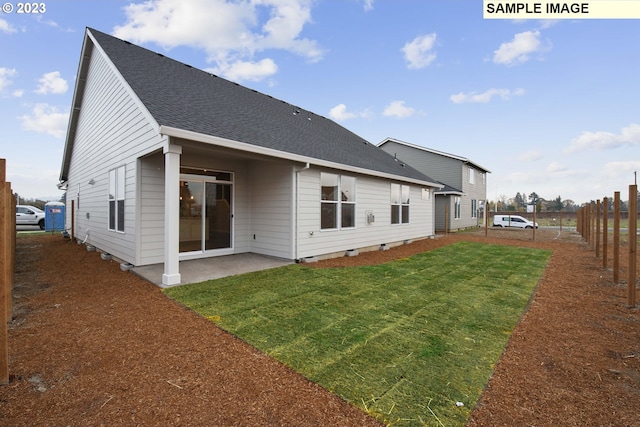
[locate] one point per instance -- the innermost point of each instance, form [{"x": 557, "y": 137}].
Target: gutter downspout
[{"x": 296, "y": 210}]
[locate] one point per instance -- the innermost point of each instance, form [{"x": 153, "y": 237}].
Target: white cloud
[
  {"x": 228, "y": 32},
  {"x": 629, "y": 135},
  {"x": 368, "y": 5},
  {"x": 398, "y": 109},
  {"x": 548, "y": 23},
  {"x": 246, "y": 70},
  {"x": 519, "y": 49},
  {"x": 5, "y": 77},
  {"x": 46, "y": 119},
  {"x": 419, "y": 52},
  {"x": 5, "y": 27},
  {"x": 530, "y": 156},
  {"x": 555, "y": 167},
  {"x": 474, "y": 97},
  {"x": 52, "y": 83},
  {"x": 621, "y": 169},
  {"x": 340, "y": 113},
  {"x": 52, "y": 24}
]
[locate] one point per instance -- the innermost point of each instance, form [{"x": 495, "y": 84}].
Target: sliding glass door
[
  {"x": 205, "y": 213},
  {"x": 217, "y": 225}
]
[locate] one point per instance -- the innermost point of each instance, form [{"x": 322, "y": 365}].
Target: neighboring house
[
  {"x": 460, "y": 203},
  {"x": 165, "y": 162}
]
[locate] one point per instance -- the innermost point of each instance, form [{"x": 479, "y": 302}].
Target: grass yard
[{"x": 409, "y": 341}]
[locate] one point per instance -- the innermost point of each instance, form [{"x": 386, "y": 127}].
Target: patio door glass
[
  {"x": 217, "y": 227},
  {"x": 205, "y": 215}
]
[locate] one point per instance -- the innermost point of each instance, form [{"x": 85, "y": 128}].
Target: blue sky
[{"x": 551, "y": 107}]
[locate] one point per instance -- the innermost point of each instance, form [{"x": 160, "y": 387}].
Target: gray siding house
[
  {"x": 165, "y": 162},
  {"x": 460, "y": 203}
]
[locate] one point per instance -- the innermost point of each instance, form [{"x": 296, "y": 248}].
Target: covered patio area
[{"x": 199, "y": 270}]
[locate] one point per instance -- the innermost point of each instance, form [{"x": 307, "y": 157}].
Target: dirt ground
[{"x": 90, "y": 345}]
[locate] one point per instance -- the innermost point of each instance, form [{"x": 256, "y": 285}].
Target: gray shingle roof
[
  {"x": 180, "y": 96},
  {"x": 447, "y": 189},
  {"x": 435, "y": 152}
]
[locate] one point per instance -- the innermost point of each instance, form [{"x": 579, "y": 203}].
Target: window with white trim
[
  {"x": 456, "y": 207},
  {"x": 116, "y": 199},
  {"x": 472, "y": 176},
  {"x": 338, "y": 201},
  {"x": 400, "y": 203},
  {"x": 474, "y": 208}
]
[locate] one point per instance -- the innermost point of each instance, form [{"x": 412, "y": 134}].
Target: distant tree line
[
  {"x": 38, "y": 203},
  {"x": 520, "y": 202}
]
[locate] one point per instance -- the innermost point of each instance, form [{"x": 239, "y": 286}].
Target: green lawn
[{"x": 406, "y": 340}]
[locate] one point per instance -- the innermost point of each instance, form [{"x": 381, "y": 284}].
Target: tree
[
  {"x": 501, "y": 203},
  {"x": 570, "y": 205},
  {"x": 557, "y": 204}
]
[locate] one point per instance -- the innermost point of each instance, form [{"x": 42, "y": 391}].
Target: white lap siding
[
  {"x": 113, "y": 130},
  {"x": 271, "y": 209},
  {"x": 151, "y": 219},
  {"x": 373, "y": 196}
]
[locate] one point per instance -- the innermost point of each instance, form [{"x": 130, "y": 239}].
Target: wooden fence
[
  {"x": 7, "y": 261},
  {"x": 593, "y": 225}
]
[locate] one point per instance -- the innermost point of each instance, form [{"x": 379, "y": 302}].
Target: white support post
[{"x": 171, "y": 274}]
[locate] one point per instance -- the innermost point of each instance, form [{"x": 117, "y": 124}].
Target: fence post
[
  {"x": 10, "y": 207},
  {"x": 616, "y": 237},
  {"x": 560, "y": 220},
  {"x": 4, "y": 285},
  {"x": 587, "y": 223},
  {"x": 598, "y": 228},
  {"x": 534, "y": 223},
  {"x": 592, "y": 233},
  {"x": 633, "y": 238},
  {"x": 8, "y": 266},
  {"x": 605, "y": 231},
  {"x": 580, "y": 222}
]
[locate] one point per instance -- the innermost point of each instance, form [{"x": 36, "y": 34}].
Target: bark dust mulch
[{"x": 90, "y": 345}]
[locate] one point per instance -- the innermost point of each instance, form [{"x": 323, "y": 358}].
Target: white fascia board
[
  {"x": 256, "y": 149},
  {"x": 449, "y": 193}
]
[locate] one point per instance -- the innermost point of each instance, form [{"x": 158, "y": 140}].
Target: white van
[{"x": 512, "y": 221}]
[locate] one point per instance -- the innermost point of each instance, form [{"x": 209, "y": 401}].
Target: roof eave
[
  {"x": 449, "y": 193},
  {"x": 78, "y": 93},
  {"x": 255, "y": 149}
]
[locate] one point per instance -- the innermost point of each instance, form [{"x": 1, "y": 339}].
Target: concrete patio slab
[{"x": 199, "y": 270}]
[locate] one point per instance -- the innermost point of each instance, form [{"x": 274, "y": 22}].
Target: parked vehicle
[
  {"x": 29, "y": 215},
  {"x": 516, "y": 221}
]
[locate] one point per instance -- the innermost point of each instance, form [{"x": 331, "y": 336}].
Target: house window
[
  {"x": 474, "y": 208},
  {"x": 399, "y": 204},
  {"x": 456, "y": 207},
  {"x": 338, "y": 201},
  {"x": 472, "y": 176},
  {"x": 116, "y": 199}
]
